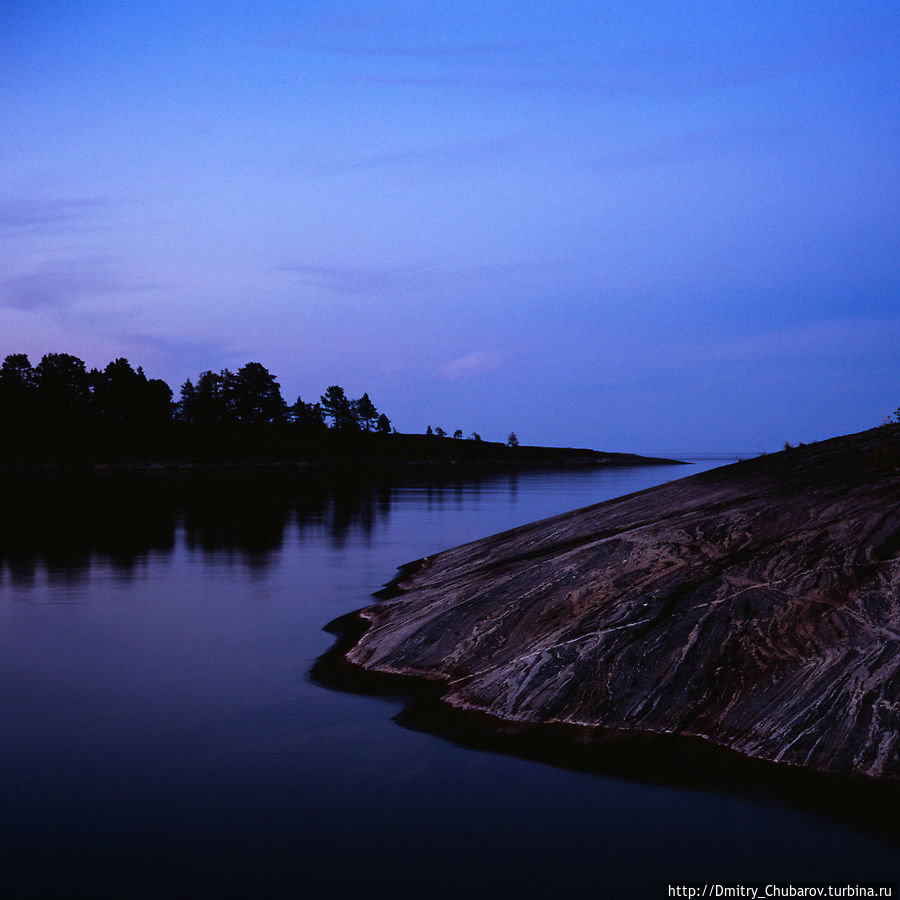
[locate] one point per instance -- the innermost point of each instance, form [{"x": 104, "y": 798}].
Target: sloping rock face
[{"x": 756, "y": 605}]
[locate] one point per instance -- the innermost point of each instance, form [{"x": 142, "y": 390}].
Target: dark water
[{"x": 160, "y": 734}]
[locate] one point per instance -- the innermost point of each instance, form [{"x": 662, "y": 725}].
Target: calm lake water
[{"x": 162, "y": 736}]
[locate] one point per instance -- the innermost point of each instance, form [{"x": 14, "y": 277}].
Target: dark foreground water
[{"x": 160, "y": 734}]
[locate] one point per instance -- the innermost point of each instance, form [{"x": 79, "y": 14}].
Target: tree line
[
  {"x": 252, "y": 396},
  {"x": 511, "y": 441},
  {"x": 60, "y": 411},
  {"x": 60, "y": 391}
]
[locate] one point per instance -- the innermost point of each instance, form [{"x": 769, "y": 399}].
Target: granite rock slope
[{"x": 756, "y": 606}]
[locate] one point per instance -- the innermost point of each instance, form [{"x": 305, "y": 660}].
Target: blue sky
[{"x": 659, "y": 227}]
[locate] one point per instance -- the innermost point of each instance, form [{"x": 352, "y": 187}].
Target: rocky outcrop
[{"x": 756, "y": 605}]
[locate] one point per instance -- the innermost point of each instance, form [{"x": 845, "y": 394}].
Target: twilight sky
[{"x": 645, "y": 226}]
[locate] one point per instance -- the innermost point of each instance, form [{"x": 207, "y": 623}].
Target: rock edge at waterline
[{"x": 756, "y": 606}]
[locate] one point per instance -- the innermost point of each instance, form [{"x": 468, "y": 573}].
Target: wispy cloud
[
  {"x": 708, "y": 143},
  {"x": 61, "y": 284},
  {"x": 427, "y": 51},
  {"x": 31, "y": 214},
  {"x": 447, "y": 157},
  {"x": 471, "y": 365},
  {"x": 524, "y": 78},
  {"x": 336, "y": 278},
  {"x": 606, "y": 61},
  {"x": 836, "y": 339},
  {"x": 53, "y": 287},
  {"x": 348, "y": 279}
]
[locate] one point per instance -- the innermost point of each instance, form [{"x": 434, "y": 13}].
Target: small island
[
  {"x": 59, "y": 414},
  {"x": 755, "y": 607}
]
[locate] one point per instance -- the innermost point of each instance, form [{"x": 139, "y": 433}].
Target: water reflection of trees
[{"x": 62, "y": 526}]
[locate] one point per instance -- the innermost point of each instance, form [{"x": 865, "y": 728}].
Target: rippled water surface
[{"x": 161, "y": 734}]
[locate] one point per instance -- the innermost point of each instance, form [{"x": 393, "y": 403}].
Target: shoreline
[
  {"x": 533, "y": 458},
  {"x": 665, "y": 759}
]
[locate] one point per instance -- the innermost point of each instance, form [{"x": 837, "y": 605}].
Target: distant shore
[{"x": 236, "y": 449}]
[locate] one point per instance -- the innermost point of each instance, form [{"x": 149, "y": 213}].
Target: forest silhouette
[
  {"x": 61, "y": 412},
  {"x": 61, "y": 391}
]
